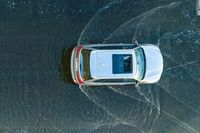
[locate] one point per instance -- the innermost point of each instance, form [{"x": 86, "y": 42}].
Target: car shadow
[{"x": 64, "y": 65}]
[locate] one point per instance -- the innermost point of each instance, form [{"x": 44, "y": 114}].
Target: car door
[
  {"x": 110, "y": 46},
  {"x": 112, "y": 81}
]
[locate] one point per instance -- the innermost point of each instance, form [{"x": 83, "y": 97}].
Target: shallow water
[
  {"x": 174, "y": 28},
  {"x": 34, "y": 98}
]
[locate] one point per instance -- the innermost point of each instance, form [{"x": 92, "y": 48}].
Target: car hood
[{"x": 154, "y": 63}]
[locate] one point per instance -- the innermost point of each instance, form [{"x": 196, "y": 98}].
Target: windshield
[{"x": 140, "y": 60}]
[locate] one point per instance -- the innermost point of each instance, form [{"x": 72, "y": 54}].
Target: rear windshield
[
  {"x": 85, "y": 64},
  {"x": 122, "y": 63}
]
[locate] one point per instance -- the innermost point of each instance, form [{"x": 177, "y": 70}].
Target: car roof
[{"x": 101, "y": 64}]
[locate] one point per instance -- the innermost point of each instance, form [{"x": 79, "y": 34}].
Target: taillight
[
  {"x": 79, "y": 79},
  {"x": 78, "y": 51}
]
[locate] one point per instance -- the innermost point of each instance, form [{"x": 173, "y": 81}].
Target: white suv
[{"x": 116, "y": 64}]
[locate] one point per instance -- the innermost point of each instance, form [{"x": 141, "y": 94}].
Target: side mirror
[
  {"x": 137, "y": 84},
  {"x": 135, "y": 42}
]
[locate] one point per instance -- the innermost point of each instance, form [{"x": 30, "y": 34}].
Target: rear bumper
[
  {"x": 72, "y": 64},
  {"x": 75, "y": 63}
]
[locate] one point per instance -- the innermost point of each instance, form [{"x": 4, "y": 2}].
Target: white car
[{"x": 116, "y": 64}]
